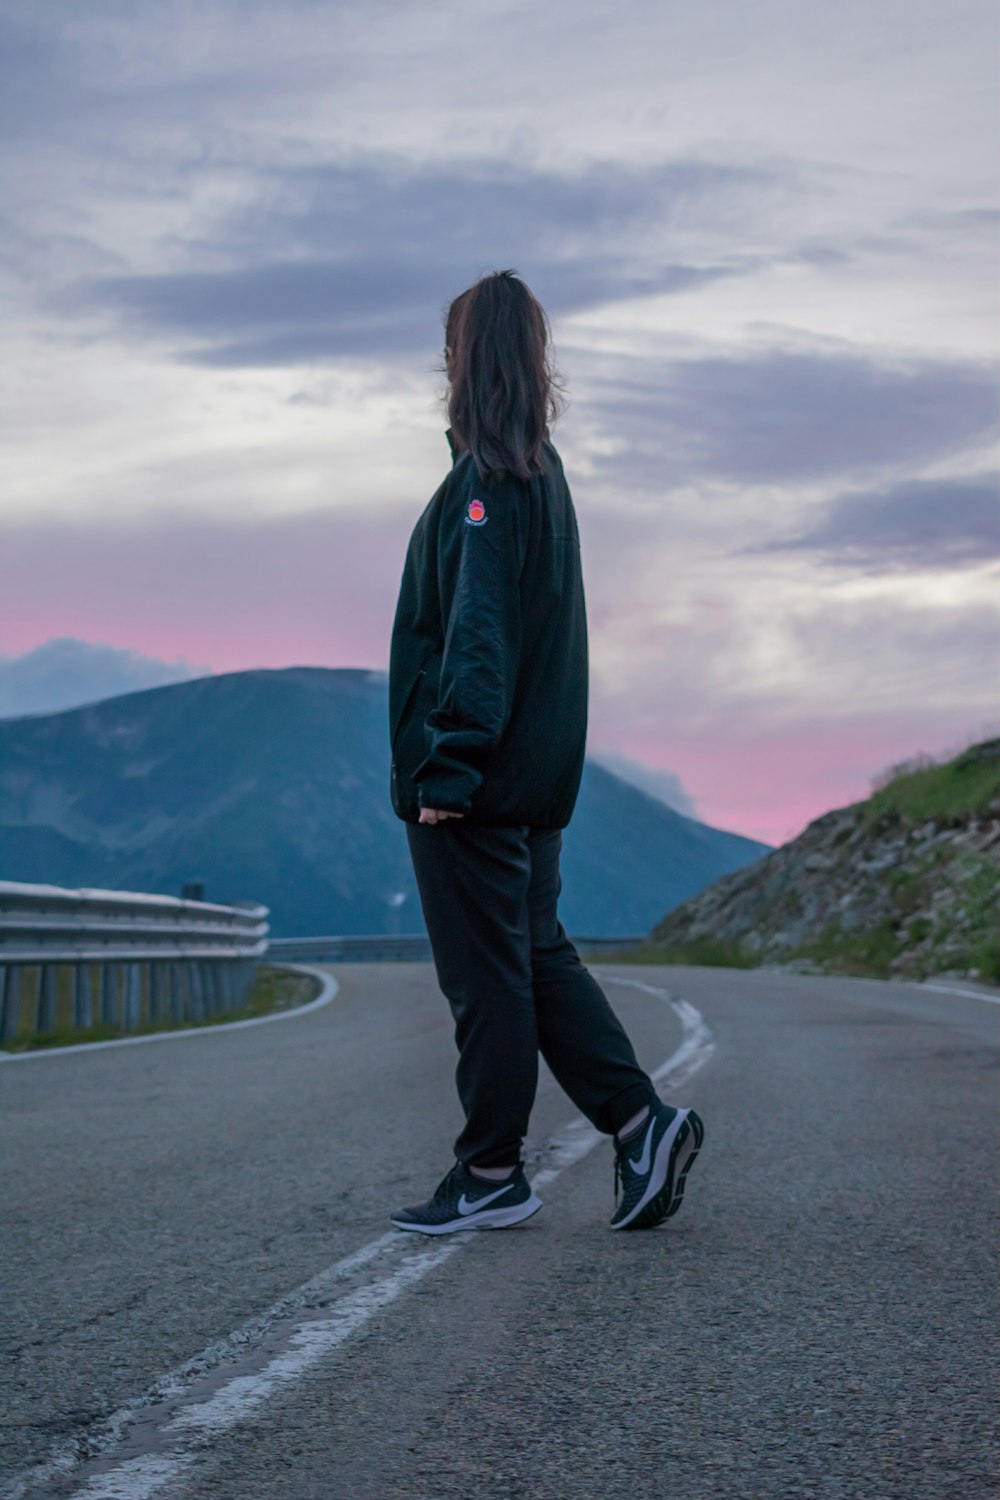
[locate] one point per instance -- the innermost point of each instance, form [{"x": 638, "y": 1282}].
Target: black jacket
[{"x": 488, "y": 662}]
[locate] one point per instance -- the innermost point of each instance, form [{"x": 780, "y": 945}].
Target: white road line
[
  {"x": 694, "y": 1050},
  {"x": 326, "y": 994},
  {"x": 952, "y": 989},
  {"x": 188, "y": 1410},
  {"x": 145, "y": 1476},
  {"x": 139, "y": 1478},
  {"x": 310, "y": 1342}
]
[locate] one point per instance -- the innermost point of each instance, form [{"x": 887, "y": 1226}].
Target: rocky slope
[{"x": 903, "y": 884}]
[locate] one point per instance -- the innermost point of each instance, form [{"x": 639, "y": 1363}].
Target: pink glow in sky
[
  {"x": 770, "y": 789},
  {"x": 321, "y": 591}
]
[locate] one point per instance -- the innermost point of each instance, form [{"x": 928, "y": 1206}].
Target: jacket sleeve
[{"x": 481, "y": 543}]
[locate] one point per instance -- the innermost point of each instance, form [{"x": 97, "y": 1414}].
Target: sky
[{"x": 766, "y": 236}]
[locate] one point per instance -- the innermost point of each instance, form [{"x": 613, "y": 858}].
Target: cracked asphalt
[{"x": 818, "y": 1321}]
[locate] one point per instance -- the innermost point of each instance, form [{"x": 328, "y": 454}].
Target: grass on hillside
[
  {"x": 922, "y": 788},
  {"x": 276, "y": 989},
  {"x": 710, "y": 952},
  {"x": 866, "y": 954}
]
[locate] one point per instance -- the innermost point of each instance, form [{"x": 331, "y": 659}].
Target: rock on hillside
[{"x": 870, "y": 888}]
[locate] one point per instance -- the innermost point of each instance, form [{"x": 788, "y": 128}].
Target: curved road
[{"x": 203, "y": 1299}]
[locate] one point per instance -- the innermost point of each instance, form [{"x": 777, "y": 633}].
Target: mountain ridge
[{"x": 272, "y": 784}]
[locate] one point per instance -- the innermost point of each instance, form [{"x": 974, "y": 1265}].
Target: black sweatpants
[{"x": 516, "y": 986}]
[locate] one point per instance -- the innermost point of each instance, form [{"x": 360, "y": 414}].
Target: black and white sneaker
[
  {"x": 464, "y": 1201},
  {"x": 652, "y": 1163}
]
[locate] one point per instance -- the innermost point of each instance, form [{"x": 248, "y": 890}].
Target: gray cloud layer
[
  {"x": 346, "y": 261},
  {"x": 939, "y": 523},
  {"x": 786, "y": 415},
  {"x": 349, "y": 260}
]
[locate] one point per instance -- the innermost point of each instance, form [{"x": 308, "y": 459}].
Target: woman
[{"x": 488, "y": 720}]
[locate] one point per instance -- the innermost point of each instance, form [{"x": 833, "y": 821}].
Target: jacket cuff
[{"x": 442, "y": 794}]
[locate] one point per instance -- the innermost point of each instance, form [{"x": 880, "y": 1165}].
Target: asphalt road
[{"x": 818, "y": 1320}]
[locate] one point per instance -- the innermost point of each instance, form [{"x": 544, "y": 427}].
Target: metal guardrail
[
  {"x": 125, "y": 957},
  {"x": 409, "y": 948},
  {"x": 374, "y": 949}
]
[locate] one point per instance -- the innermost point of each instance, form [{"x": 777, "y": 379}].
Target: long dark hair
[{"x": 504, "y": 390}]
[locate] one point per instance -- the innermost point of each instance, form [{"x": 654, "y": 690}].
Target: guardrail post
[
  {"x": 158, "y": 977},
  {"x": 215, "y": 985},
  {"x": 109, "y": 995},
  {"x": 196, "y": 991},
  {"x": 133, "y": 996},
  {"x": 83, "y": 1008},
  {"x": 178, "y": 999},
  {"x": 11, "y": 1001},
  {"x": 45, "y": 1001}
]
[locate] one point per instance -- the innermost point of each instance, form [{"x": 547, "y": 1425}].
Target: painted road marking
[
  {"x": 188, "y": 1410},
  {"x": 951, "y": 989}
]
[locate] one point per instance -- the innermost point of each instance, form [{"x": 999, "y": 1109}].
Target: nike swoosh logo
[
  {"x": 465, "y": 1207},
  {"x": 641, "y": 1167}
]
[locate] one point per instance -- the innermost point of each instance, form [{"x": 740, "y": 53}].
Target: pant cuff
[
  {"x": 497, "y": 1156},
  {"x": 623, "y": 1106}
]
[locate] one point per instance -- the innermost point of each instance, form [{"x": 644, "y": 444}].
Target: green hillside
[{"x": 905, "y": 884}]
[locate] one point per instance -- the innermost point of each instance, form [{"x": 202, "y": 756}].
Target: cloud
[
  {"x": 354, "y": 260},
  {"x": 871, "y": 654},
  {"x": 666, "y": 786},
  {"x": 919, "y": 523},
  {"x": 786, "y": 415},
  {"x": 64, "y": 672}
]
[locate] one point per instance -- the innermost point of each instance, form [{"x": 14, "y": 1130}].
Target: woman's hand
[{"x": 437, "y": 815}]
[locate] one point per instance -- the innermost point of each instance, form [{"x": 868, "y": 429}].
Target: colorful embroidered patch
[{"x": 476, "y": 514}]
